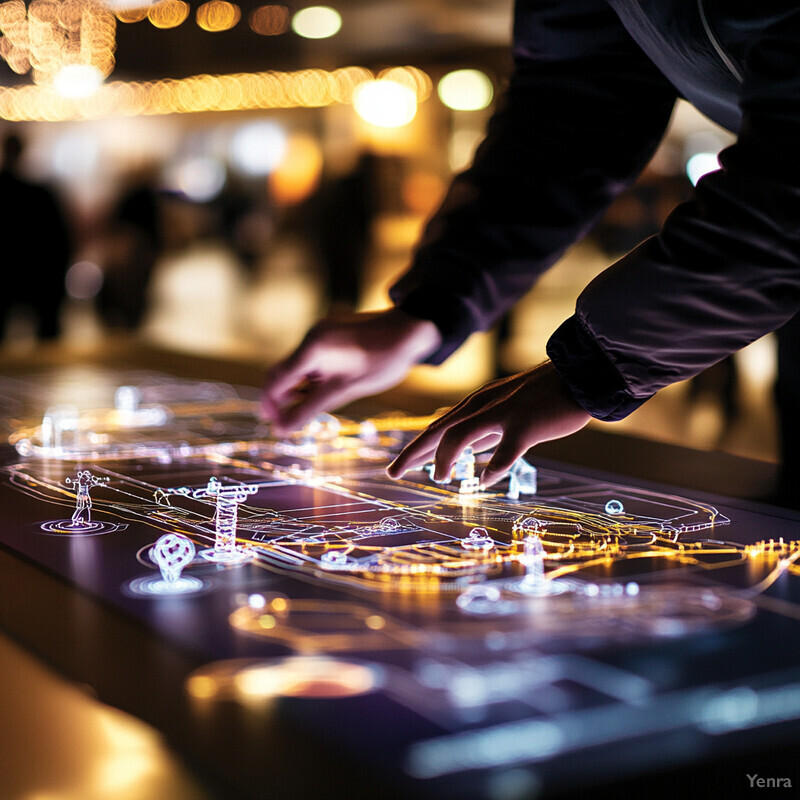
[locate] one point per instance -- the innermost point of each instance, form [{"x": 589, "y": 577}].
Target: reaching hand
[
  {"x": 512, "y": 413},
  {"x": 342, "y": 359}
]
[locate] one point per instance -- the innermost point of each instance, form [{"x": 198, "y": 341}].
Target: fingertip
[{"x": 394, "y": 472}]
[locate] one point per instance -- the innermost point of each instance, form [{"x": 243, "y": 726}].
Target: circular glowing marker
[
  {"x": 317, "y": 22},
  {"x": 615, "y": 508},
  {"x": 465, "y": 90},
  {"x": 386, "y": 104}
]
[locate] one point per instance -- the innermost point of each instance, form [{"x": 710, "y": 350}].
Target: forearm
[
  {"x": 562, "y": 147},
  {"x": 724, "y": 271}
]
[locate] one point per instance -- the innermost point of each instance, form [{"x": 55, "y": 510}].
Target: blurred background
[{"x": 212, "y": 178}]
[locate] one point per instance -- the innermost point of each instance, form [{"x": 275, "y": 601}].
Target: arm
[
  {"x": 724, "y": 270},
  {"x": 568, "y": 133},
  {"x": 583, "y": 114}
]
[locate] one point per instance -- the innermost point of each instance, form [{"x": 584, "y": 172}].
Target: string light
[
  {"x": 168, "y": 13},
  {"x": 218, "y": 15},
  {"x": 269, "y": 20},
  {"x": 49, "y": 37},
  {"x": 313, "y": 88}
]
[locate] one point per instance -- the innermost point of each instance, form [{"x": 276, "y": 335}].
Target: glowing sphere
[
  {"x": 77, "y": 80},
  {"x": 258, "y": 148},
  {"x": 465, "y": 90},
  {"x": 317, "y": 22},
  {"x": 385, "y": 103}
]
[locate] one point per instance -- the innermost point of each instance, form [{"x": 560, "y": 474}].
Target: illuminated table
[{"x": 366, "y": 640}]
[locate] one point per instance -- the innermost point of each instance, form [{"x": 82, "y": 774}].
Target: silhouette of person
[{"x": 37, "y": 242}]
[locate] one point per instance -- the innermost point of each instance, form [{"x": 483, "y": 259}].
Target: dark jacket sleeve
[
  {"x": 724, "y": 270},
  {"x": 584, "y": 112}
]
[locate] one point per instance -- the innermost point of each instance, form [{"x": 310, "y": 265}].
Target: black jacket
[{"x": 593, "y": 88}]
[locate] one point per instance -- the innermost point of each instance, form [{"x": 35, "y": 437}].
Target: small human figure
[{"x": 82, "y": 516}]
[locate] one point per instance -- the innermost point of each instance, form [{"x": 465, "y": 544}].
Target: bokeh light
[
  {"x": 239, "y": 91},
  {"x": 465, "y": 90},
  {"x": 77, "y": 80},
  {"x": 130, "y": 15},
  {"x": 701, "y": 164},
  {"x": 386, "y": 104},
  {"x": 317, "y": 22},
  {"x": 83, "y": 280},
  {"x": 258, "y": 148},
  {"x": 218, "y": 15},
  {"x": 199, "y": 179},
  {"x": 298, "y": 174},
  {"x": 269, "y": 20},
  {"x": 168, "y": 13}
]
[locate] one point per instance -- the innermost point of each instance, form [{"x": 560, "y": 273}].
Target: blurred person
[
  {"x": 593, "y": 89},
  {"x": 134, "y": 242},
  {"x": 347, "y": 207},
  {"x": 37, "y": 243}
]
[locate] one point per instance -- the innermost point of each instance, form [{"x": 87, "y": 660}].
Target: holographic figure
[
  {"x": 81, "y": 522},
  {"x": 522, "y": 479},
  {"x": 465, "y": 465},
  {"x": 533, "y": 561},
  {"x": 171, "y": 554},
  {"x": 478, "y": 539},
  {"x": 534, "y": 583},
  {"x": 229, "y": 498},
  {"x": 82, "y": 516}
]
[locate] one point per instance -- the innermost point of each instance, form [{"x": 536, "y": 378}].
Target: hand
[
  {"x": 512, "y": 413},
  {"x": 342, "y": 359}
]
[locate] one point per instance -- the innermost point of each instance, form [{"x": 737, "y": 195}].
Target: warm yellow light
[
  {"x": 465, "y": 90},
  {"x": 218, "y": 15},
  {"x": 201, "y": 686},
  {"x": 412, "y": 77},
  {"x": 132, "y": 14},
  {"x": 77, "y": 80},
  {"x": 317, "y": 22},
  {"x": 269, "y": 20},
  {"x": 294, "y": 180},
  {"x": 386, "y": 104},
  {"x": 311, "y": 88},
  {"x": 168, "y": 13}
]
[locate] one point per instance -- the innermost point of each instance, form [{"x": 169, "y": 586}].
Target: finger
[
  {"x": 413, "y": 456},
  {"x": 320, "y": 397},
  {"x": 453, "y": 442},
  {"x": 285, "y": 376},
  {"x": 511, "y": 447},
  {"x": 488, "y": 442},
  {"x": 425, "y": 456}
]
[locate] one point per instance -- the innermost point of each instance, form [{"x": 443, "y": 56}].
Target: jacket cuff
[
  {"x": 589, "y": 374},
  {"x": 445, "y": 313}
]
